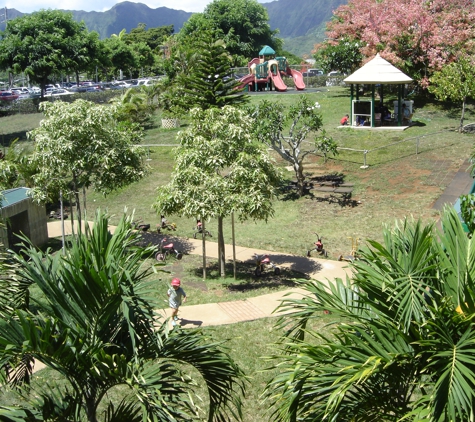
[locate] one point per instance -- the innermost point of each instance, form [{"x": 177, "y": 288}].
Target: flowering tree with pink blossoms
[{"x": 419, "y": 37}]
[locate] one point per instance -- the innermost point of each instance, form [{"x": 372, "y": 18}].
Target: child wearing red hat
[{"x": 176, "y": 296}]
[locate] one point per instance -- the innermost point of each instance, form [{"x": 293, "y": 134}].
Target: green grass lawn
[{"x": 397, "y": 184}]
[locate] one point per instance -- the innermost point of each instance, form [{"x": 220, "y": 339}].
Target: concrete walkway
[{"x": 240, "y": 310}]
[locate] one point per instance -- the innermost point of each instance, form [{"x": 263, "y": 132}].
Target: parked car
[
  {"x": 57, "y": 92},
  {"x": 22, "y": 92},
  {"x": 76, "y": 88},
  {"x": 93, "y": 89},
  {"x": 145, "y": 82},
  {"x": 313, "y": 72},
  {"x": 335, "y": 78},
  {"x": 120, "y": 85},
  {"x": 8, "y": 96}
]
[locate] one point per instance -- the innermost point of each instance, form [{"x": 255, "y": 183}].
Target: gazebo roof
[
  {"x": 378, "y": 71},
  {"x": 267, "y": 51}
]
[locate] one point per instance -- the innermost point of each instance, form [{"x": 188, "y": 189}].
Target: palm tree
[
  {"x": 403, "y": 344},
  {"x": 134, "y": 107},
  {"x": 96, "y": 327}
]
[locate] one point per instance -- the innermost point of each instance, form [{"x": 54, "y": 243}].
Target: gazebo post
[
  {"x": 372, "y": 105},
  {"x": 351, "y": 104},
  {"x": 399, "y": 110}
]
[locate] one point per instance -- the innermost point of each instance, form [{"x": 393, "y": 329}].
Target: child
[
  {"x": 175, "y": 296},
  {"x": 344, "y": 120}
]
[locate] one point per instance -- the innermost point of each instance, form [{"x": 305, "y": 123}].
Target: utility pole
[{"x": 4, "y": 19}]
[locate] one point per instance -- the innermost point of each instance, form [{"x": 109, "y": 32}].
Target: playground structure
[{"x": 266, "y": 71}]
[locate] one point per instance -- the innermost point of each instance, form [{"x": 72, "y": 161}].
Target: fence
[{"x": 394, "y": 150}]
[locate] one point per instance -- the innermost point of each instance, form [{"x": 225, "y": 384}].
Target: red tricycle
[
  {"x": 199, "y": 230},
  {"x": 167, "y": 249},
  {"x": 164, "y": 224},
  {"x": 318, "y": 247},
  {"x": 263, "y": 261}
]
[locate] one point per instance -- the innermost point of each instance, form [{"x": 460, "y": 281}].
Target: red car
[{"x": 8, "y": 96}]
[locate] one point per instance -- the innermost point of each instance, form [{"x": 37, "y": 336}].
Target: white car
[
  {"x": 335, "y": 78},
  {"x": 22, "y": 92},
  {"x": 146, "y": 82},
  {"x": 120, "y": 85},
  {"x": 52, "y": 92}
]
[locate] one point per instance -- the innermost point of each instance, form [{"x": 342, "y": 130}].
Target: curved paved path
[{"x": 239, "y": 310}]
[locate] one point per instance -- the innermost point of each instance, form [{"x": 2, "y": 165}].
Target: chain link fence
[{"x": 395, "y": 150}]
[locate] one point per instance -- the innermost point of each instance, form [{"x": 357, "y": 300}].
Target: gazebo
[{"x": 378, "y": 71}]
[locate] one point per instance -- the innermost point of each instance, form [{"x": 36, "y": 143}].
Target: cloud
[{"x": 29, "y": 6}]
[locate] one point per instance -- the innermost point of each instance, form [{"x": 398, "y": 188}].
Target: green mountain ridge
[{"x": 300, "y": 23}]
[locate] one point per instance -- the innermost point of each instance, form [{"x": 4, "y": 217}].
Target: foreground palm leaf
[
  {"x": 403, "y": 345},
  {"x": 96, "y": 327}
]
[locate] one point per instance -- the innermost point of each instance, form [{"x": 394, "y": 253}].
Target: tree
[
  {"x": 16, "y": 167},
  {"x": 96, "y": 327},
  {"x": 82, "y": 145},
  {"x": 121, "y": 56},
  {"x": 86, "y": 53},
  {"x": 418, "y": 37},
  {"x": 271, "y": 121},
  {"x": 403, "y": 348},
  {"x": 456, "y": 82},
  {"x": 219, "y": 170},
  {"x": 134, "y": 106},
  {"x": 153, "y": 37},
  {"x": 344, "y": 56},
  {"x": 209, "y": 81},
  {"x": 46, "y": 43},
  {"x": 242, "y": 24}
]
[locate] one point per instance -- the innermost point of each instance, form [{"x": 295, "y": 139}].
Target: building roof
[
  {"x": 266, "y": 51},
  {"x": 378, "y": 71},
  {"x": 13, "y": 196}
]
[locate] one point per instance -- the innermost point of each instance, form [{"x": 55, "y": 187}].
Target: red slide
[
  {"x": 278, "y": 82},
  {"x": 245, "y": 80},
  {"x": 298, "y": 79}
]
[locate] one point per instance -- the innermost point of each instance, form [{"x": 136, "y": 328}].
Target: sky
[{"x": 28, "y": 6}]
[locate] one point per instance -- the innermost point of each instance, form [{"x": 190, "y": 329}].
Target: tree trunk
[
  {"x": 463, "y": 113},
  {"x": 91, "y": 409},
  {"x": 221, "y": 249},
  {"x": 203, "y": 239},
  {"x": 78, "y": 202},
  {"x": 84, "y": 202},
  {"x": 300, "y": 178}
]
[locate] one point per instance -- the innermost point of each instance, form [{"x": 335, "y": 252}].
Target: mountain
[
  {"x": 128, "y": 15},
  {"x": 125, "y": 15},
  {"x": 301, "y": 23},
  {"x": 297, "y": 18}
]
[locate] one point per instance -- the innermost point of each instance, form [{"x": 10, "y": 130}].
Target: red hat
[{"x": 176, "y": 282}]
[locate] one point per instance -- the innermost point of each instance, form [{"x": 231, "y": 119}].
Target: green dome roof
[{"x": 266, "y": 51}]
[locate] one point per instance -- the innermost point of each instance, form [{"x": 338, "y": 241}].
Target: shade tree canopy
[
  {"x": 82, "y": 145},
  {"x": 285, "y": 130},
  {"x": 416, "y": 36},
  {"x": 46, "y": 43},
  {"x": 242, "y": 24},
  {"x": 219, "y": 169},
  {"x": 455, "y": 82}
]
